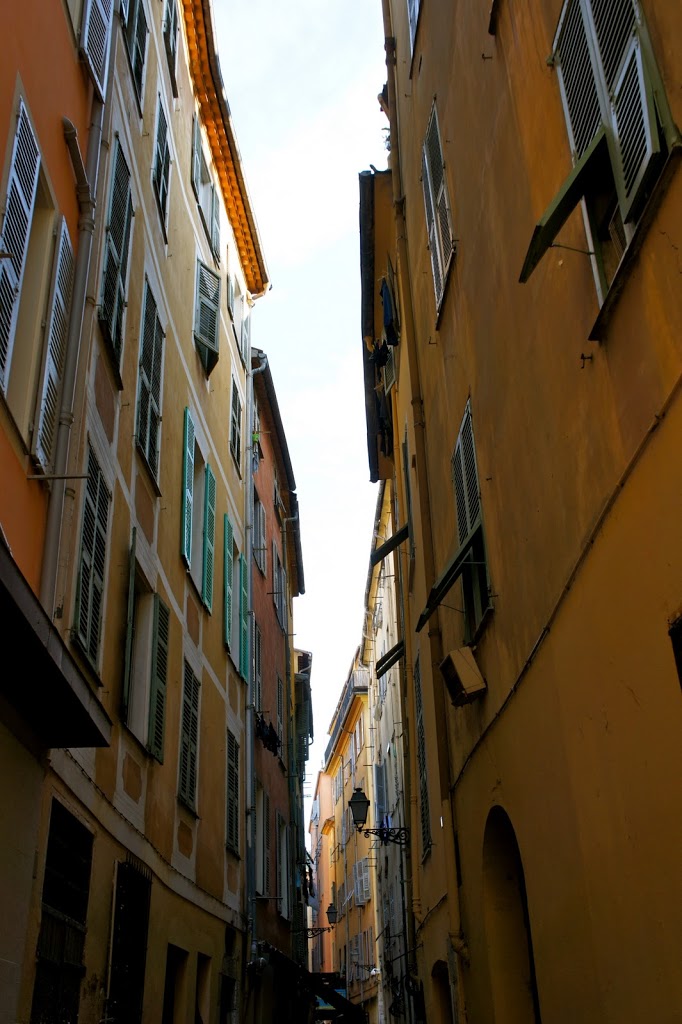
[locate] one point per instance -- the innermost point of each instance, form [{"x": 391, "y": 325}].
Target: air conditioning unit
[{"x": 462, "y": 677}]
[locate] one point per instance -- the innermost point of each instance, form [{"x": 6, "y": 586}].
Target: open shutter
[
  {"x": 187, "y": 488},
  {"x": 228, "y": 574},
  {"x": 243, "y": 618},
  {"x": 21, "y": 194},
  {"x": 379, "y": 795},
  {"x": 280, "y": 715},
  {"x": 170, "y": 38},
  {"x": 94, "y": 40},
  {"x": 574, "y": 63},
  {"x": 367, "y": 888},
  {"x": 230, "y": 295},
  {"x": 232, "y": 792},
  {"x": 431, "y": 229},
  {"x": 138, "y": 46},
  {"x": 196, "y": 155},
  {"x": 112, "y": 303},
  {"x": 207, "y": 315},
  {"x": 246, "y": 335},
  {"x": 130, "y": 624},
  {"x": 434, "y": 155},
  {"x": 162, "y": 161},
  {"x": 157, "y": 702},
  {"x": 257, "y": 669},
  {"x": 55, "y": 351},
  {"x": 209, "y": 539},
  {"x": 266, "y": 844},
  {"x": 149, "y": 389},
  {"x": 93, "y": 559},
  {"x": 635, "y": 136},
  {"x": 215, "y": 222},
  {"x": 466, "y": 479},
  {"x": 278, "y": 860}
]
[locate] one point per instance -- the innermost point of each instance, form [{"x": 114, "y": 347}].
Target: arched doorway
[{"x": 507, "y": 925}]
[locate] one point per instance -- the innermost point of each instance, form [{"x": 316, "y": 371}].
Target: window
[
  {"x": 228, "y": 584},
  {"x": 413, "y": 17},
  {"x": 149, "y": 387},
  {"x": 280, "y": 716},
  {"x": 199, "y": 503},
  {"x": 421, "y": 761},
  {"x": 236, "y": 425},
  {"x": 135, "y": 32},
  {"x": 283, "y": 874},
  {"x": 207, "y": 316},
  {"x": 262, "y": 841},
  {"x": 94, "y": 40},
  {"x": 257, "y": 668},
  {"x": 474, "y": 570},
  {"x": 380, "y": 801},
  {"x": 437, "y": 204},
  {"x": 189, "y": 739},
  {"x": 161, "y": 173},
  {"x": 245, "y": 333},
  {"x": 117, "y": 245},
  {"x": 279, "y": 587},
  {"x": 619, "y": 125},
  {"x": 232, "y": 793},
  {"x": 259, "y": 541},
  {"x": 170, "y": 40},
  {"x": 61, "y": 942},
  {"x": 361, "y": 882},
  {"x": 146, "y": 660},
  {"x": 205, "y": 191},
  {"x": 129, "y": 943},
  {"x": 243, "y": 618},
  {"x": 93, "y": 557}
]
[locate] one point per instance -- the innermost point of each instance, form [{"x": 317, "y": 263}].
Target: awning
[{"x": 322, "y": 986}]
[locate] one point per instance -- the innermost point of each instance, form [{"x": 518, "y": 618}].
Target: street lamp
[
  {"x": 332, "y": 917},
  {"x": 359, "y": 807},
  {"x": 332, "y": 914}
]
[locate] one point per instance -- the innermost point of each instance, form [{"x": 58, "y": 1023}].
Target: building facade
[{"x": 522, "y": 364}]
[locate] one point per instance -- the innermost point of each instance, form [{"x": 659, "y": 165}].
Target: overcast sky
[{"x": 302, "y": 80}]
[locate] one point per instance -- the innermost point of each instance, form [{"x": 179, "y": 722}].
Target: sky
[{"x": 302, "y": 80}]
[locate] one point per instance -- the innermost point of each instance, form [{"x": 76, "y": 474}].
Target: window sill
[{"x": 148, "y": 469}]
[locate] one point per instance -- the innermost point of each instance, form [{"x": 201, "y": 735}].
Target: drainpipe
[
  {"x": 291, "y": 726},
  {"x": 86, "y": 189},
  {"x": 250, "y": 687}
]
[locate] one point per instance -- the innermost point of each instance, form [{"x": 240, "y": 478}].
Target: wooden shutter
[
  {"x": 196, "y": 156},
  {"x": 228, "y": 574},
  {"x": 136, "y": 34},
  {"x": 187, "y": 488},
  {"x": 157, "y": 701},
  {"x": 112, "y": 303},
  {"x": 257, "y": 668},
  {"x": 246, "y": 335},
  {"x": 232, "y": 792},
  {"x": 266, "y": 843},
  {"x": 635, "y": 135},
  {"x": 149, "y": 390},
  {"x": 209, "y": 539},
  {"x": 56, "y": 332},
  {"x": 92, "y": 560},
  {"x": 130, "y": 625},
  {"x": 243, "y": 618},
  {"x": 279, "y": 886},
  {"x": 189, "y": 738},
  {"x": 21, "y": 194},
  {"x": 280, "y": 715},
  {"x": 421, "y": 760},
  {"x": 263, "y": 551},
  {"x": 230, "y": 295},
  {"x": 379, "y": 794},
  {"x": 215, "y": 222},
  {"x": 162, "y": 161},
  {"x": 576, "y": 75},
  {"x": 170, "y": 38},
  {"x": 366, "y": 882},
  {"x": 465, "y": 476},
  {"x": 94, "y": 40},
  {"x": 207, "y": 315}
]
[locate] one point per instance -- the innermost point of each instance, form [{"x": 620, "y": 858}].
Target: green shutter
[
  {"x": 187, "y": 488},
  {"x": 243, "y": 618},
  {"x": 130, "y": 623},
  {"x": 157, "y": 702},
  {"x": 112, "y": 302},
  {"x": 228, "y": 573},
  {"x": 189, "y": 738},
  {"x": 90, "y": 591},
  {"x": 232, "y": 792},
  {"x": 209, "y": 539}
]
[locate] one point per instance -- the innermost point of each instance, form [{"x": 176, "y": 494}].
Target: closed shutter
[
  {"x": 228, "y": 575},
  {"x": 421, "y": 761},
  {"x": 170, "y": 38},
  {"x": 215, "y": 223},
  {"x": 266, "y": 844},
  {"x": 90, "y": 593},
  {"x": 162, "y": 162},
  {"x": 243, "y": 618},
  {"x": 257, "y": 668},
  {"x": 130, "y": 626},
  {"x": 465, "y": 476},
  {"x": 55, "y": 352},
  {"x": 187, "y": 488},
  {"x": 209, "y": 539},
  {"x": 207, "y": 315},
  {"x": 112, "y": 304},
  {"x": 232, "y": 792},
  {"x": 379, "y": 794},
  {"x": 196, "y": 156},
  {"x": 280, "y": 716},
  {"x": 189, "y": 738},
  {"x": 149, "y": 397},
  {"x": 157, "y": 702},
  {"x": 21, "y": 194},
  {"x": 94, "y": 40}
]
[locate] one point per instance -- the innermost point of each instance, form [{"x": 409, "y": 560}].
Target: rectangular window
[
  {"x": 228, "y": 583},
  {"x": 232, "y": 793},
  {"x": 421, "y": 761},
  {"x": 189, "y": 739},
  {"x": 236, "y": 426},
  {"x": 437, "y": 205},
  {"x": 129, "y": 943},
  {"x": 149, "y": 387},
  {"x": 262, "y": 841},
  {"x": 259, "y": 537},
  {"x": 198, "y": 521},
  {"x": 279, "y": 584},
  {"x": 474, "y": 570},
  {"x": 413, "y": 17},
  {"x": 283, "y": 874},
  {"x": 280, "y": 716},
  {"x": 257, "y": 668},
  {"x": 93, "y": 556},
  {"x": 135, "y": 33},
  {"x": 117, "y": 246},
  {"x": 207, "y": 316},
  {"x": 161, "y": 174},
  {"x": 170, "y": 40},
  {"x": 243, "y": 618},
  {"x": 207, "y": 195}
]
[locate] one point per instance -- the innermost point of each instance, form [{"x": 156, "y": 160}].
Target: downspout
[
  {"x": 435, "y": 642},
  {"x": 86, "y": 190},
  {"x": 250, "y": 687},
  {"x": 291, "y": 726}
]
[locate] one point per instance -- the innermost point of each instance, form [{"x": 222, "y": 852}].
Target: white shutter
[
  {"x": 187, "y": 487},
  {"x": 573, "y": 58},
  {"x": 431, "y": 229},
  {"x": 207, "y": 311},
  {"x": 366, "y": 883},
  {"x": 634, "y": 135},
  {"x": 55, "y": 349},
  {"x": 465, "y": 476},
  {"x": 196, "y": 155},
  {"x": 94, "y": 40},
  {"x": 21, "y": 194}
]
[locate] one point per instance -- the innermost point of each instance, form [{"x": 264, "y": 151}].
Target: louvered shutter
[
  {"x": 209, "y": 539},
  {"x": 379, "y": 794},
  {"x": 576, "y": 75},
  {"x": 366, "y": 882},
  {"x": 170, "y": 38},
  {"x": 149, "y": 396},
  {"x": 246, "y": 336},
  {"x": 635, "y": 136},
  {"x": 257, "y": 668},
  {"x": 93, "y": 559},
  {"x": 228, "y": 574},
  {"x": 196, "y": 155},
  {"x": 162, "y": 161},
  {"x": 136, "y": 34},
  {"x": 130, "y": 625},
  {"x": 159, "y": 679},
  {"x": 21, "y": 194},
  {"x": 434, "y": 152},
  {"x": 243, "y": 618},
  {"x": 94, "y": 40},
  {"x": 207, "y": 315},
  {"x": 112, "y": 304},
  {"x": 230, "y": 295},
  {"x": 266, "y": 844},
  {"x": 187, "y": 488},
  {"x": 232, "y": 792},
  {"x": 465, "y": 476},
  {"x": 280, "y": 715},
  {"x": 421, "y": 760},
  {"x": 215, "y": 222},
  {"x": 56, "y": 331},
  {"x": 279, "y": 888},
  {"x": 189, "y": 737},
  {"x": 264, "y": 547}
]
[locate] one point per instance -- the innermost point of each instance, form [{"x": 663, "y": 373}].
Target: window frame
[
  {"x": 150, "y": 377},
  {"x": 236, "y": 410},
  {"x": 115, "y": 263},
  {"x": 161, "y": 175},
  {"x": 437, "y": 209},
  {"x": 135, "y": 23}
]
